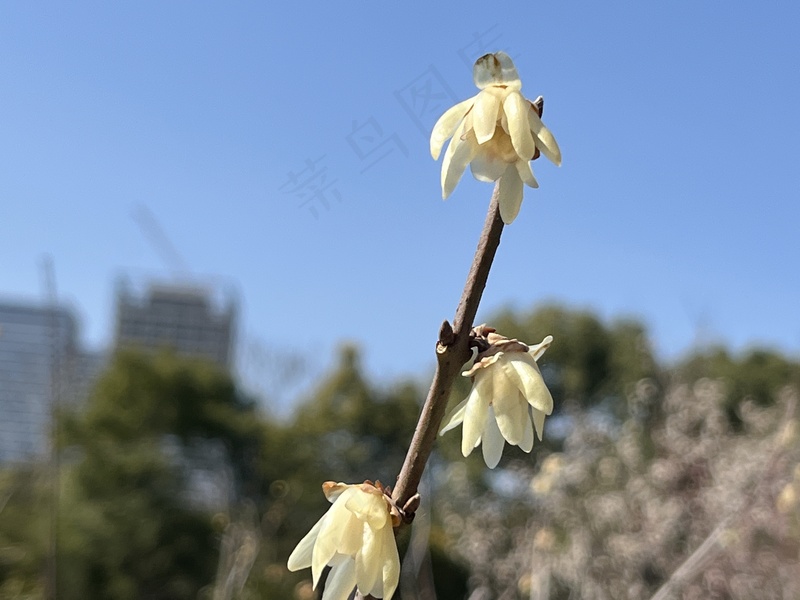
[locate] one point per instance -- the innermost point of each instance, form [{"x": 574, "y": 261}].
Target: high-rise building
[
  {"x": 41, "y": 366},
  {"x": 183, "y": 318},
  {"x": 194, "y": 322}
]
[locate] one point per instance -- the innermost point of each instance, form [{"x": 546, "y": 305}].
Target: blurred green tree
[
  {"x": 589, "y": 362},
  {"x": 24, "y": 529},
  {"x": 133, "y": 525},
  {"x": 758, "y": 374}
]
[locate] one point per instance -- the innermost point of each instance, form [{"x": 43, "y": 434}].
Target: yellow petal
[
  {"x": 341, "y": 581},
  {"x": 454, "y": 418},
  {"x": 510, "y": 195},
  {"x": 525, "y": 372},
  {"x": 460, "y": 152},
  {"x": 539, "y": 349},
  {"x": 476, "y": 413},
  {"x": 447, "y": 124},
  {"x": 465, "y": 369},
  {"x": 485, "y": 166},
  {"x": 492, "y": 441},
  {"x": 369, "y": 508},
  {"x": 391, "y": 565},
  {"x": 544, "y": 139},
  {"x": 333, "y": 490},
  {"x": 510, "y": 411},
  {"x": 321, "y": 553},
  {"x": 516, "y": 109},
  {"x": 369, "y": 561},
  {"x": 525, "y": 172},
  {"x": 352, "y": 532},
  {"x": 484, "y": 114},
  {"x": 538, "y": 421},
  {"x": 333, "y": 527},
  {"x": 527, "y": 439},
  {"x": 300, "y": 558}
]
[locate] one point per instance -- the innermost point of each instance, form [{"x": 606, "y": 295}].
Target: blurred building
[
  {"x": 186, "y": 319},
  {"x": 41, "y": 367},
  {"x": 196, "y": 322}
]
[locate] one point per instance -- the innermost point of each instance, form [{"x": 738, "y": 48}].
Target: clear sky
[{"x": 677, "y": 201}]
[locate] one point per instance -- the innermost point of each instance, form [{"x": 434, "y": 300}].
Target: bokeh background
[{"x": 224, "y": 260}]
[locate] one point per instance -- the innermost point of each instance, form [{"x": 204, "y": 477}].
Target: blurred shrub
[{"x": 589, "y": 362}]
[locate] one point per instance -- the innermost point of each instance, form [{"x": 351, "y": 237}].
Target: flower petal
[
  {"x": 530, "y": 382},
  {"x": 525, "y": 172},
  {"x": 510, "y": 408},
  {"x": 538, "y": 422},
  {"x": 341, "y": 581},
  {"x": 387, "y": 564},
  {"x": 516, "y": 109},
  {"x": 527, "y": 439},
  {"x": 455, "y": 417},
  {"x": 391, "y": 565},
  {"x": 369, "y": 507},
  {"x": 493, "y": 441},
  {"x": 495, "y": 69},
  {"x": 447, "y": 124},
  {"x": 476, "y": 413},
  {"x": 460, "y": 151},
  {"x": 352, "y": 532},
  {"x": 329, "y": 540},
  {"x": 484, "y": 115},
  {"x": 333, "y": 490},
  {"x": 510, "y": 195},
  {"x": 544, "y": 139},
  {"x": 369, "y": 560},
  {"x": 322, "y": 552},
  {"x": 468, "y": 365},
  {"x": 300, "y": 558},
  {"x": 537, "y": 350},
  {"x": 486, "y": 166}
]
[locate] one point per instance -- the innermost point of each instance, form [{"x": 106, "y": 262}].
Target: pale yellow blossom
[
  {"x": 355, "y": 537},
  {"x": 498, "y": 133},
  {"x": 508, "y": 400}
]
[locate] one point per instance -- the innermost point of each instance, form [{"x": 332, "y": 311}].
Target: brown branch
[{"x": 452, "y": 351}]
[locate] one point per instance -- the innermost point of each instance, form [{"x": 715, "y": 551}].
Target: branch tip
[{"x": 446, "y": 335}]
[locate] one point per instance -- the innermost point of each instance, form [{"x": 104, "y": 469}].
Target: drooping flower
[
  {"x": 355, "y": 537},
  {"x": 508, "y": 398},
  {"x": 497, "y": 132}
]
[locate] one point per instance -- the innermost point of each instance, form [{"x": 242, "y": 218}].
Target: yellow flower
[
  {"x": 494, "y": 152},
  {"x": 355, "y": 537},
  {"x": 508, "y": 399}
]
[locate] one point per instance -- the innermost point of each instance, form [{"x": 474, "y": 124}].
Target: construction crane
[{"x": 159, "y": 240}]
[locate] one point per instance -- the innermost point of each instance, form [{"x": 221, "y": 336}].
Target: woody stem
[{"x": 452, "y": 351}]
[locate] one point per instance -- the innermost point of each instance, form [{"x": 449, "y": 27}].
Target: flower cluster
[
  {"x": 497, "y": 132},
  {"x": 355, "y": 537},
  {"x": 508, "y": 398}
]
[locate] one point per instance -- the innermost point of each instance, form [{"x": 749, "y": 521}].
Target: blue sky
[{"x": 677, "y": 201}]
